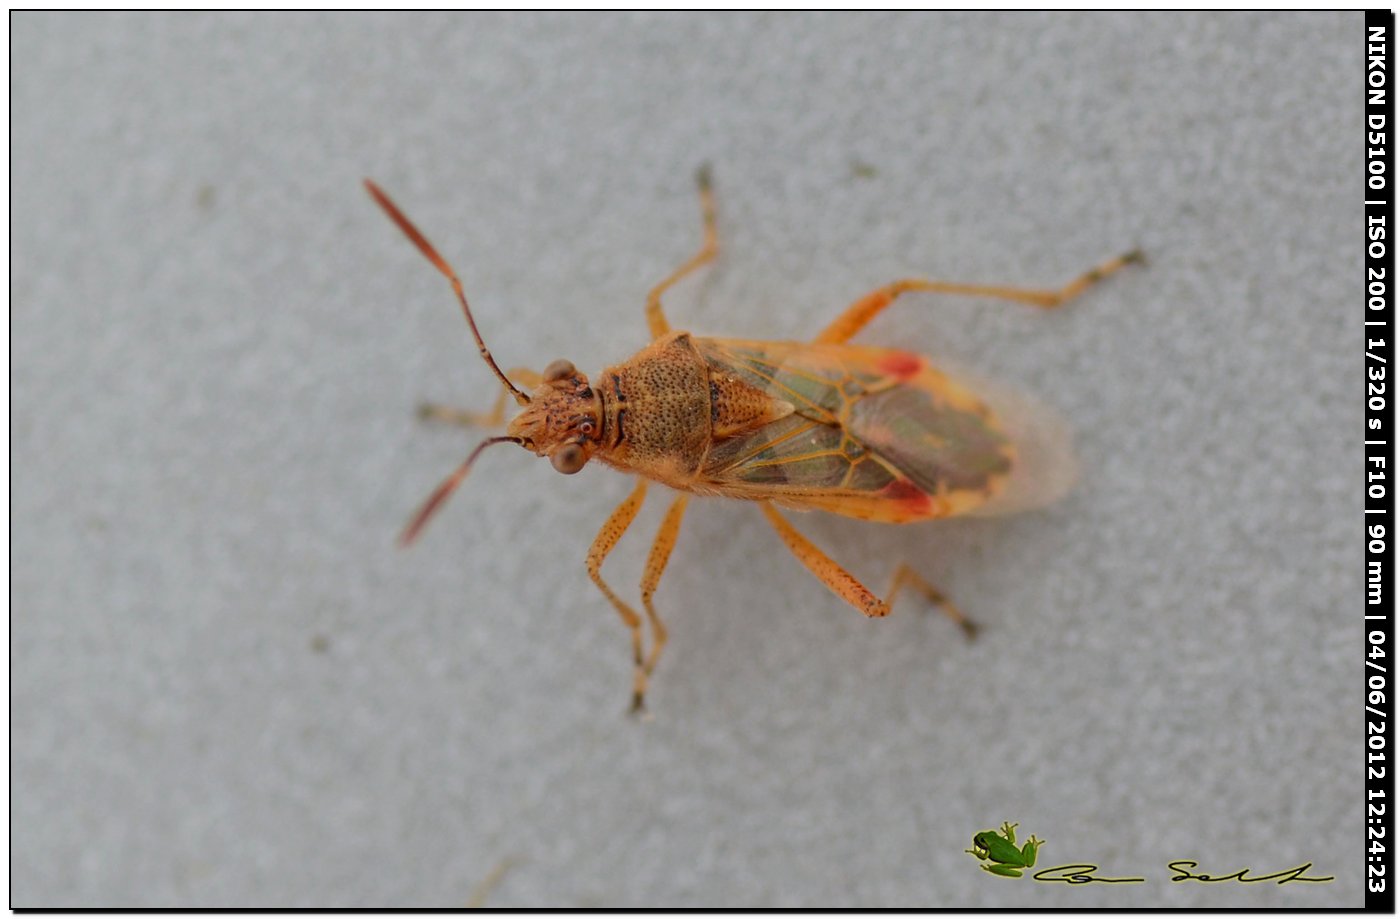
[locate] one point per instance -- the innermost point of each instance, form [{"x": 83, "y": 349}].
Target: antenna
[
  {"x": 448, "y": 486},
  {"x": 427, "y": 249}
]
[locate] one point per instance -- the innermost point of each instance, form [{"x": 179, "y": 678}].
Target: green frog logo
[{"x": 1000, "y": 852}]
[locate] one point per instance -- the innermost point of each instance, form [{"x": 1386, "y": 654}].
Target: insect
[{"x": 875, "y": 433}]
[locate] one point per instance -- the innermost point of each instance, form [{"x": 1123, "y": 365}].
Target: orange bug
[{"x": 874, "y": 433}]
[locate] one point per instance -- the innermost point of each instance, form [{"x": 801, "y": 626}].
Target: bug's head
[{"x": 563, "y": 420}]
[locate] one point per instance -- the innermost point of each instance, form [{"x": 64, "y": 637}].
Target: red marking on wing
[
  {"x": 914, "y": 500},
  {"x": 900, "y": 364}
]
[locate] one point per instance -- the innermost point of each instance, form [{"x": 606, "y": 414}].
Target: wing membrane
[{"x": 876, "y": 433}]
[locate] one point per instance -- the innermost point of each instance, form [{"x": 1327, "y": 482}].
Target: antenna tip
[{"x": 375, "y": 191}]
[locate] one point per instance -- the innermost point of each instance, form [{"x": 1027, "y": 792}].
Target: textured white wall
[{"x": 230, "y": 689}]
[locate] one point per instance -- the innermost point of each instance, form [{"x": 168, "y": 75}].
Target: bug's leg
[
  {"x": 868, "y": 307},
  {"x": 656, "y": 320},
  {"x": 607, "y": 538},
  {"x": 483, "y": 889},
  {"x": 831, "y": 574},
  {"x": 656, "y": 564},
  {"x": 906, "y": 576},
  {"x": 845, "y": 586},
  {"x": 431, "y": 411}
]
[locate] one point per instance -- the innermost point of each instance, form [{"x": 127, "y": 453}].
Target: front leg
[{"x": 431, "y": 411}]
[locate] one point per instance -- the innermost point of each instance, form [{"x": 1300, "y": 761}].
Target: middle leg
[
  {"x": 656, "y": 320},
  {"x": 607, "y": 538},
  {"x": 656, "y": 564}
]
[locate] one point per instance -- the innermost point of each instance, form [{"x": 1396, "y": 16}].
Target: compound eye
[
  {"x": 559, "y": 370},
  {"x": 568, "y": 459}
]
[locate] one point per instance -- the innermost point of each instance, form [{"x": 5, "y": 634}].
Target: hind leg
[
  {"x": 858, "y": 314},
  {"x": 842, "y": 583},
  {"x": 904, "y": 576}
]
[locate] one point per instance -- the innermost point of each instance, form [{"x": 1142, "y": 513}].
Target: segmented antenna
[
  {"x": 448, "y": 486},
  {"x": 427, "y": 249}
]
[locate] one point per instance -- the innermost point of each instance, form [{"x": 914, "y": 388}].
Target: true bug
[{"x": 874, "y": 433}]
